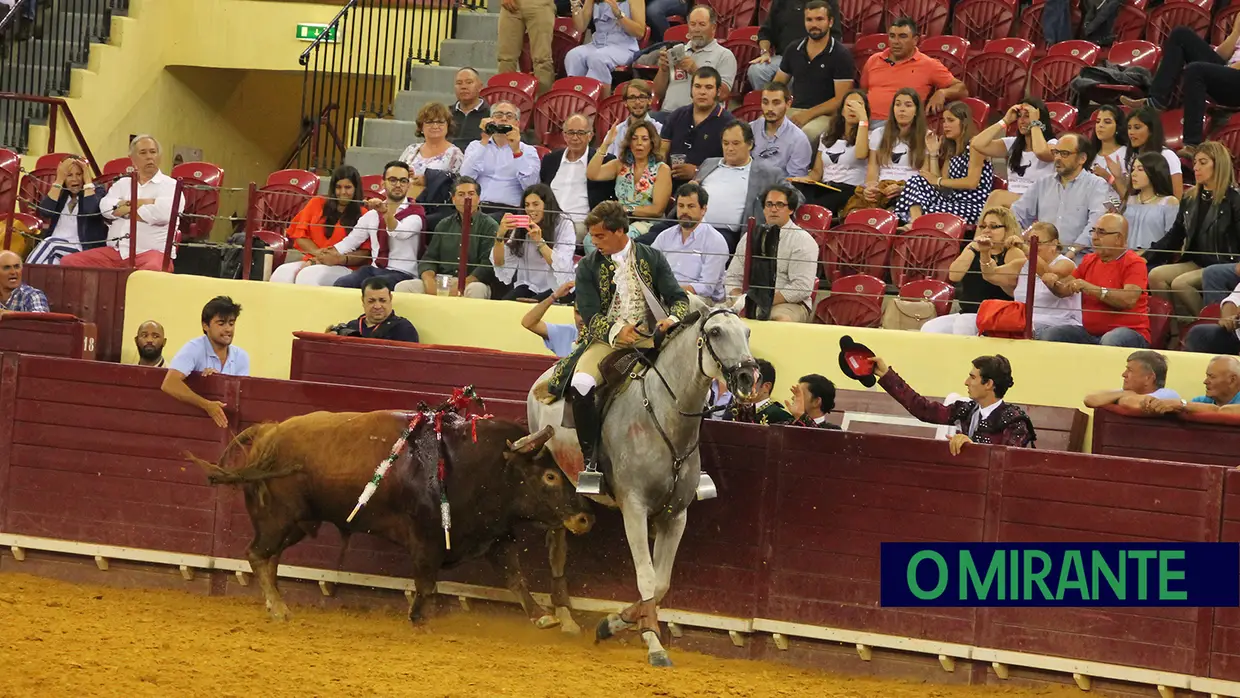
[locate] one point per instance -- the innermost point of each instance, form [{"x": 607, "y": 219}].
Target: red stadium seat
[
  {"x": 200, "y": 198},
  {"x": 542, "y": 150},
  {"x": 764, "y": 9},
  {"x": 877, "y": 218},
  {"x": 867, "y": 46},
  {"x": 1223, "y": 23},
  {"x": 1173, "y": 128},
  {"x": 1064, "y": 115},
  {"x": 815, "y": 220},
  {"x": 1161, "y": 312},
  {"x": 494, "y": 94},
  {"x": 1029, "y": 24},
  {"x": 751, "y": 107},
  {"x": 997, "y": 182},
  {"x": 997, "y": 78},
  {"x": 564, "y": 38},
  {"x": 285, "y": 193},
  {"x": 947, "y": 224},
  {"x": 1209, "y": 316},
  {"x": 1087, "y": 51},
  {"x": 940, "y": 293},
  {"x": 925, "y": 252},
  {"x": 553, "y": 108},
  {"x": 744, "y": 49},
  {"x": 734, "y": 13},
  {"x": 112, "y": 171},
  {"x": 855, "y": 301},
  {"x": 678, "y": 34},
  {"x": 855, "y": 248},
  {"x": 372, "y": 186},
  {"x": 861, "y": 18},
  {"x": 516, "y": 81},
  {"x": 1016, "y": 47},
  {"x": 980, "y": 111},
  {"x": 1177, "y": 13},
  {"x": 35, "y": 185},
  {"x": 1050, "y": 78},
  {"x": 1130, "y": 24},
  {"x": 610, "y": 112},
  {"x": 981, "y": 20},
  {"x": 1125, "y": 54},
  {"x": 744, "y": 34},
  {"x": 275, "y": 242},
  {"x": 588, "y": 87},
  {"x": 10, "y": 174},
  {"x": 951, "y": 51},
  {"x": 930, "y": 15}
]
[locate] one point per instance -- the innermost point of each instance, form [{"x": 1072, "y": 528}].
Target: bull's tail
[{"x": 259, "y": 465}]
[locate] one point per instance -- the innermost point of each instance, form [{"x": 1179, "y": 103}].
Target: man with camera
[
  {"x": 378, "y": 320},
  {"x": 677, "y": 65},
  {"x": 784, "y": 264},
  {"x": 500, "y": 162}
]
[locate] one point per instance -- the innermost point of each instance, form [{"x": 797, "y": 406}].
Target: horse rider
[{"x": 624, "y": 290}]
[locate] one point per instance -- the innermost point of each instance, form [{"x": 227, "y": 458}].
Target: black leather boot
[{"x": 589, "y": 432}]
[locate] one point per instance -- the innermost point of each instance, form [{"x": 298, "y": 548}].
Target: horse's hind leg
[{"x": 271, "y": 538}]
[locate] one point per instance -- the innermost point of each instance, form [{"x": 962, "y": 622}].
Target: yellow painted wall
[
  {"x": 1058, "y": 375},
  {"x": 220, "y": 75}
]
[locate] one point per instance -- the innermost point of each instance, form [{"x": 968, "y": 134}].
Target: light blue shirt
[
  {"x": 560, "y": 339},
  {"x": 789, "y": 150},
  {"x": 501, "y": 176},
  {"x": 1073, "y": 209},
  {"x": 1207, "y": 400},
  {"x": 728, "y": 188},
  {"x": 197, "y": 356},
  {"x": 1165, "y": 394},
  {"x": 699, "y": 261}
]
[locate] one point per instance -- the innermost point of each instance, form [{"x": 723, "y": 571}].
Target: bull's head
[{"x": 543, "y": 493}]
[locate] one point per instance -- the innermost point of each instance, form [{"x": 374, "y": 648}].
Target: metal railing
[
  {"x": 55, "y": 104},
  {"x": 38, "y": 51},
  {"x": 353, "y": 69}
]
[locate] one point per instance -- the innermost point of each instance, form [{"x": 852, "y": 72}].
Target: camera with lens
[{"x": 494, "y": 128}]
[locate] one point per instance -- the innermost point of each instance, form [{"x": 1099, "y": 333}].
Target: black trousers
[
  {"x": 1212, "y": 339},
  {"x": 1188, "y": 57}
]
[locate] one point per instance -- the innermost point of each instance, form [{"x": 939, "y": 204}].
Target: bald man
[
  {"x": 1222, "y": 390},
  {"x": 1073, "y": 200},
  {"x": 150, "y": 341},
  {"x": 15, "y": 296},
  {"x": 1113, "y": 283}
]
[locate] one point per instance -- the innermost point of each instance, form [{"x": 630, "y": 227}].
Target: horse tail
[{"x": 260, "y": 463}]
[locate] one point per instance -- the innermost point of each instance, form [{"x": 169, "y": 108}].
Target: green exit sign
[{"x": 310, "y": 32}]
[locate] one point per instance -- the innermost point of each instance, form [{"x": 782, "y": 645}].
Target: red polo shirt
[
  {"x": 1100, "y": 318},
  {"x": 881, "y": 80}
]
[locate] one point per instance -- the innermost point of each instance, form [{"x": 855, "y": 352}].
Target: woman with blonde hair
[
  {"x": 994, "y": 227},
  {"x": 436, "y": 152},
  {"x": 961, "y": 185},
  {"x": 1206, "y": 232},
  {"x": 1049, "y": 310}
]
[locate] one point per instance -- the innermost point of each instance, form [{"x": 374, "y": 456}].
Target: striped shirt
[{"x": 26, "y": 299}]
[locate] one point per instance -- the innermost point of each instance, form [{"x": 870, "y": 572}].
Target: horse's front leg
[{"x": 667, "y": 535}]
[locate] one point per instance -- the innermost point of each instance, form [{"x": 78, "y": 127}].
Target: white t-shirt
[
  {"x": 1120, "y": 156},
  {"x": 1034, "y": 169},
  {"x": 898, "y": 168},
  {"x": 840, "y": 163}
]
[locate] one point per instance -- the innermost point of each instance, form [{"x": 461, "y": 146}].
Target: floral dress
[{"x": 449, "y": 160}]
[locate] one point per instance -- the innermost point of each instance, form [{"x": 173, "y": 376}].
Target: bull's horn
[{"x": 532, "y": 442}]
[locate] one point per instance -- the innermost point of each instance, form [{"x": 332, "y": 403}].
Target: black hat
[{"x": 857, "y": 361}]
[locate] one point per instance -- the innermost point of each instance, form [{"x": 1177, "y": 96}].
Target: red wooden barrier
[
  {"x": 95, "y": 295},
  {"x": 48, "y": 334},
  {"x": 1188, "y": 439},
  {"x": 92, "y": 452}
]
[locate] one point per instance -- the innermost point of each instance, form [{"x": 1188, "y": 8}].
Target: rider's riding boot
[{"x": 589, "y": 433}]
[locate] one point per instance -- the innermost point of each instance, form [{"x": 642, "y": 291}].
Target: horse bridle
[{"x": 703, "y": 342}]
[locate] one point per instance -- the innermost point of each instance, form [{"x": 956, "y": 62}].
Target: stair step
[
  {"x": 74, "y": 51},
  {"x": 441, "y": 78},
  {"x": 478, "y": 26},
  {"x": 91, "y": 24},
  {"x": 460, "y": 52},
  {"x": 370, "y": 160},
  {"x": 33, "y": 79},
  {"x": 409, "y": 102},
  {"x": 389, "y": 134}
]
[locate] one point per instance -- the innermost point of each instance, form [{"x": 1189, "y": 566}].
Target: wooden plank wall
[
  {"x": 94, "y": 295},
  {"x": 1117, "y": 433},
  {"x": 93, "y": 452},
  {"x": 45, "y": 337}
]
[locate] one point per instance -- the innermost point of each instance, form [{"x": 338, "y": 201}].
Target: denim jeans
[
  {"x": 1212, "y": 339},
  {"x": 1219, "y": 281},
  {"x": 657, "y": 12},
  {"x": 1075, "y": 334}
]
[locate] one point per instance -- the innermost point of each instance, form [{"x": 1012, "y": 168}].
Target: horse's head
[{"x": 723, "y": 351}]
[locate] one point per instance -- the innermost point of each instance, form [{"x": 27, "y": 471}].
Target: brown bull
[{"x": 310, "y": 469}]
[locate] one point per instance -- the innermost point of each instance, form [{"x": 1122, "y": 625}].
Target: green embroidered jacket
[
  {"x": 771, "y": 413},
  {"x": 595, "y": 288}
]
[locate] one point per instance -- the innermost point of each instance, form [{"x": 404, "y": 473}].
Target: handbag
[
  {"x": 907, "y": 314},
  {"x": 999, "y": 318}
]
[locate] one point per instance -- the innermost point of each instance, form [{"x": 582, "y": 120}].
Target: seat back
[
  {"x": 1177, "y": 13},
  {"x": 940, "y": 293},
  {"x": 1135, "y": 53},
  {"x": 981, "y": 20},
  {"x": 610, "y": 112},
  {"x": 855, "y": 248},
  {"x": 867, "y": 45},
  {"x": 494, "y": 94},
  {"x": 815, "y": 220},
  {"x": 1087, "y": 51},
  {"x": 677, "y": 34},
  {"x": 930, "y": 15},
  {"x": 589, "y": 87},
  {"x": 1160, "y": 314},
  {"x": 923, "y": 253},
  {"x": 112, "y": 171},
  {"x": 997, "y": 78},
  {"x": 744, "y": 50},
  {"x": 516, "y": 81},
  {"x": 1173, "y": 128},
  {"x": 855, "y": 301},
  {"x": 200, "y": 198},
  {"x": 34, "y": 186},
  {"x": 1014, "y": 46},
  {"x": 1051, "y": 78},
  {"x": 861, "y": 18},
  {"x": 372, "y": 186},
  {"x": 553, "y": 108},
  {"x": 10, "y": 175},
  {"x": 951, "y": 51},
  {"x": 285, "y": 193},
  {"x": 1063, "y": 114},
  {"x": 881, "y": 219}
]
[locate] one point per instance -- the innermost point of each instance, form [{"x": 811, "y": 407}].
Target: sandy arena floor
[{"x": 59, "y": 639}]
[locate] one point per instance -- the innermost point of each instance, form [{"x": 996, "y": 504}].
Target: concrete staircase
[
  {"x": 40, "y": 62},
  {"x": 385, "y": 139}
]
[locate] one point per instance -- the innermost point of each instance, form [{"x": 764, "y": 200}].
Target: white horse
[{"x": 650, "y": 437}]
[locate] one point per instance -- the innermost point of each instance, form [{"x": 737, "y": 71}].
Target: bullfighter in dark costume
[
  {"x": 624, "y": 291},
  {"x": 984, "y": 419}
]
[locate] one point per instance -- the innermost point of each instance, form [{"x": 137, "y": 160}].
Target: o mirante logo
[{"x": 1060, "y": 574}]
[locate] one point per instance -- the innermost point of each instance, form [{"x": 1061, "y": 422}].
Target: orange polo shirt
[
  {"x": 881, "y": 80},
  {"x": 308, "y": 223}
]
